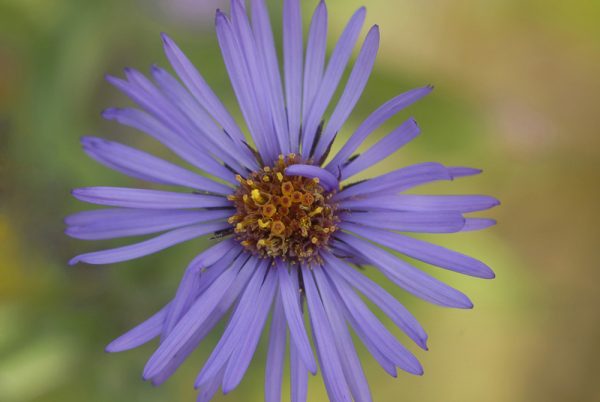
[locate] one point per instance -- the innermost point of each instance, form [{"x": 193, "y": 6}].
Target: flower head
[{"x": 289, "y": 223}]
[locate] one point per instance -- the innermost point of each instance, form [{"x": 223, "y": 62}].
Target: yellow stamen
[
  {"x": 264, "y": 224},
  {"x": 257, "y": 196},
  {"x": 316, "y": 211}
]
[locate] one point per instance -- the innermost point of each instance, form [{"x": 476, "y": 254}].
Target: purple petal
[
  {"x": 460, "y": 171},
  {"x": 353, "y": 91},
  {"x": 376, "y": 119},
  {"x": 127, "y": 159},
  {"x": 472, "y": 224},
  {"x": 397, "y": 181},
  {"x": 241, "y": 80},
  {"x": 147, "y": 199},
  {"x": 213, "y": 257},
  {"x": 314, "y": 63},
  {"x": 333, "y": 374},
  {"x": 338, "y": 270},
  {"x": 424, "y": 222},
  {"x": 113, "y": 223},
  {"x": 383, "y": 148},
  {"x": 372, "y": 347},
  {"x": 326, "y": 179},
  {"x": 145, "y": 94},
  {"x": 289, "y": 299},
  {"x": 346, "y": 253},
  {"x": 386, "y": 342},
  {"x": 335, "y": 69},
  {"x": 406, "y": 276},
  {"x": 424, "y": 251},
  {"x": 350, "y": 363},
  {"x": 209, "y": 390},
  {"x": 200, "y": 89},
  {"x": 298, "y": 376},
  {"x": 147, "y": 247},
  {"x": 248, "y": 266},
  {"x": 139, "y": 335},
  {"x": 267, "y": 54},
  {"x": 146, "y": 123},
  {"x": 259, "y": 82},
  {"x": 245, "y": 348},
  {"x": 199, "y": 312},
  {"x": 276, "y": 354},
  {"x": 223, "y": 146},
  {"x": 198, "y": 124},
  {"x": 412, "y": 202},
  {"x": 239, "y": 323},
  {"x": 292, "y": 64}
]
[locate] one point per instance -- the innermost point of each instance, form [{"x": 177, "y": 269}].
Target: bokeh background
[{"x": 517, "y": 94}]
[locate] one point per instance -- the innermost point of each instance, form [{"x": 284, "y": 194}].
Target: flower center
[{"x": 290, "y": 217}]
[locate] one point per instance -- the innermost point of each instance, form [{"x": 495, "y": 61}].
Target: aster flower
[{"x": 290, "y": 225}]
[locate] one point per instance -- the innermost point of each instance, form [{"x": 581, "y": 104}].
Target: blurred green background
[{"x": 517, "y": 94}]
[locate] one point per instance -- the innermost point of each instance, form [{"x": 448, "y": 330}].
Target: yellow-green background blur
[{"x": 517, "y": 94}]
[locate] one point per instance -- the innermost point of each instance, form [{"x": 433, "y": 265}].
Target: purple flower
[{"x": 291, "y": 228}]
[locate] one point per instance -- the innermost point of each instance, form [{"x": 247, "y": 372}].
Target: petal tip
[{"x": 167, "y": 41}]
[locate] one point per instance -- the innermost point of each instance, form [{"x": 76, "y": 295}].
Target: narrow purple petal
[
  {"x": 472, "y": 224},
  {"x": 292, "y": 64},
  {"x": 326, "y": 179},
  {"x": 213, "y": 258},
  {"x": 346, "y": 253},
  {"x": 383, "y": 148},
  {"x": 386, "y": 342},
  {"x": 239, "y": 283},
  {"x": 374, "y": 349},
  {"x": 353, "y": 91},
  {"x": 197, "y": 122},
  {"x": 140, "y": 163},
  {"x": 276, "y": 354},
  {"x": 333, "y": 74},
  {"x": 202, "y": 262},
  {"x": 397, "y": 181},
  {"x": 268, "y": 56},
  {"x": 406, "y": 276},
  {"x": 223, "y": 146},
  {"x": 423, "y": 222},
  {"x": 424, "y": 251},
  {"x": 333, "y": 374},
  {"x": 338, "y": 270},
  {"x": 314, "y": 63},
  {"x": 350, "y": 363},
  {"x": 289, "y": 299},
  {"x": 242, "y": 355},
  {"x": 298, "y": 376},
  {"x": 209, "y": 390},
  {"x": 239, "y": 323},
  {"x": 148, "y": 124},
  {"x": 460, "y": 171},
  {"x": 259, "y": 82},
  {"x": 200, "y": 89},
  {"x": 147, "y": 247},
  {"x": 376, "y": 119},
  {"x": 139, "y": 335},
  {"x": 114, "y": 222},
  {"x": 423, "y": 203},
  {"x": 185, "y": 328},
  {"x": 147, "y": 199},
  {"x": 143, "y": 92},
  {"x": 239, "y": 75}
]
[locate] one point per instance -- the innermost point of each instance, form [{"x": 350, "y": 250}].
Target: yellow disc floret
[{"x": 290, "y": 217}]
